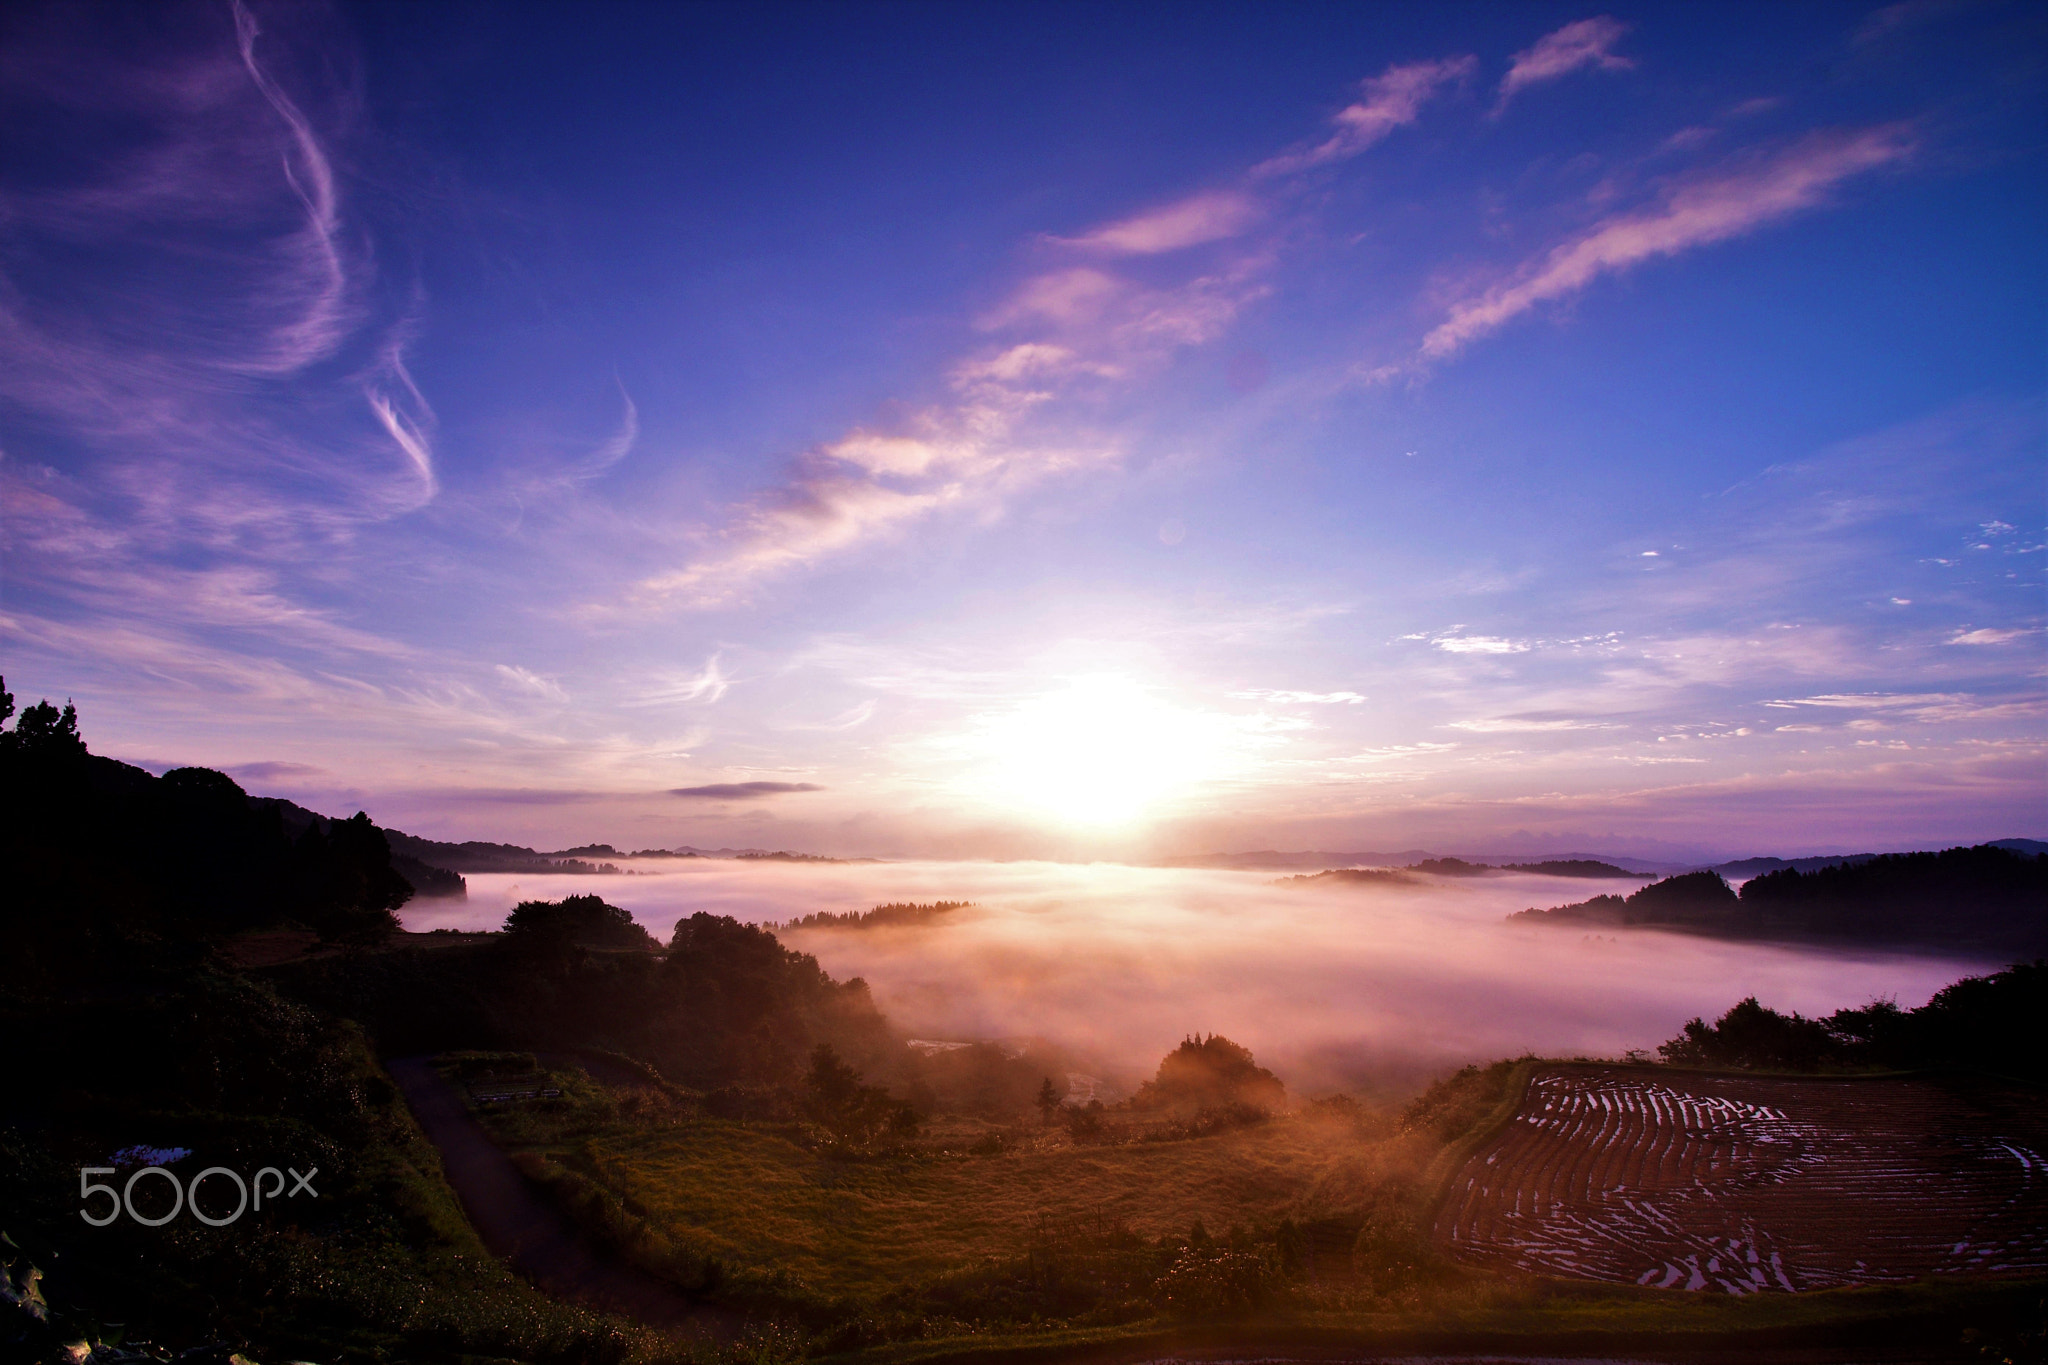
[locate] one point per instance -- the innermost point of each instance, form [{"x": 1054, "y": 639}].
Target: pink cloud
[
  {"x": 1027, "y": 362},
  {"x": 1207, "y": 217},
  {"x": 1063, "y": 296},
  {"x": 1572, "y": 48},
  {"x": 869, "y": 486},
  {"x": 1389, "y": 100},
  {"x": 802, "y": 521},
  {"x": 1694, "y": 214},
  {"x": 1078, "y": 324}
]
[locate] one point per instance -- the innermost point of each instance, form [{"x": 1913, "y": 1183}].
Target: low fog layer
[{"x": 1361, "y": 987}]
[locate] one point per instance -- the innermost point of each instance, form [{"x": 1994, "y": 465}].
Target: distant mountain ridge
[
  {"x": 434, "y": 867},
  {"x": 1736, "y": 869}
]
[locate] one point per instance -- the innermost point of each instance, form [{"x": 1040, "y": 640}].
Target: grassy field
[
  {"x": 772, "y": 1197},
  {"x": 866, "y": 1252},
  {"x": 762, "y": 1198}
]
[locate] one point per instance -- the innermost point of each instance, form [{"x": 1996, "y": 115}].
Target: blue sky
[{"x": 1068, "y": 430}]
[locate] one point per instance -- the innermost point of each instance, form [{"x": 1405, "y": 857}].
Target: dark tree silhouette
[
  {"x": 852, "y": 1112},
  {"x": 1048, "y": 1100},
  {"x": 554, "y": 927},
  {"x": 1990, "y": 1023},
  {"x": 1211, "y": 1071},
  {"x": 345, "y": 884}
]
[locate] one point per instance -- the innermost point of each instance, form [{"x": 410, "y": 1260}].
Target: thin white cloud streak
[
  {"x": 618, "y": 445},
  {"x": 851, "y": 719},
  {"x": 1200, "y": 218},
  {"x": 1300, "y": 698},
  {"x": 1871, "y": 701},
  {"x": 1387, "y": 101},
  {"x": 325, "y": 322},
  {"x": 1694, "y": 214},
  {"x": 54, "y": 545},
  {"x": 872, "y": 485},
  {"x": 823, "y": 512},
  {"x": 708, "y": 684},
  {"x": 525, "y": 680},
  {"x": 1576, "y": 46},
  {"x": 1927, "y": 708},
  {"x": 411, "y": 437},
  {"x": 1508, "y": 725},
  {"x": 1480, "y": 644}
]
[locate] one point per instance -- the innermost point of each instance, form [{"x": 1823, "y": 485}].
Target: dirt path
[{"x": 519, "y": 1227}]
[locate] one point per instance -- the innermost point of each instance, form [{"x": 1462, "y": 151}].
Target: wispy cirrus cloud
[
  {"x": 1924, "y": 707},
  {"x": 1062, "y": 329},
  {"x": 1207, "y": 217},
  {"x": 1575, "y": 47},
  {"x": 1695, "y": 213},
  {"x": 1386, "y": 102},
  {"x": 1515, "y": 725},
  {"x": 527, "y": 681},
  {"x": 1300, "y": 698},
  {"x": 405, "y": 414},
  {"x": 188, "y": 310},
  {"x": 315, "y": 257},
  {"x": 865, "y": 487},
  {"x": 708, "y": 684}
]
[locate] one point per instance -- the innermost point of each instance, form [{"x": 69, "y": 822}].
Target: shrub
[{"x": 1209, "y": 1281}]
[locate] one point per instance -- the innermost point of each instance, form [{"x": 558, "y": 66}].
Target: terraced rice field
[{"x": 1752, "y": 1184}]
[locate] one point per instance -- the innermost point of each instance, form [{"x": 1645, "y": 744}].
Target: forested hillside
[{"x": 1986, "y": 900}]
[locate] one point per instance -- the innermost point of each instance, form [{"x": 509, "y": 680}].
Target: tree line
[
  {"x": 1990, "y": 1023},
  {"x": 1984, "y": 899}
]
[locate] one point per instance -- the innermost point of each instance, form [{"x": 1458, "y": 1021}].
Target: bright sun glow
[{"x": 1101, "y": 751}]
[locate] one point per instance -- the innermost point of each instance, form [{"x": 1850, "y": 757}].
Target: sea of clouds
[{"x": 1367, "y": 988}]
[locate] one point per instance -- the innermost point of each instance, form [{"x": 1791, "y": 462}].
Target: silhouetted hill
[
  {"x": 1351, "y": 876},
  {"x": 1575, "y": 867},
  {"x": 437, "y": 862},
  {"x": 1753, "y": 867},
  {"x": 1449, "y": 867},
  {"x": 1553, "y": 864},
  {"x": 1269, "y": 858},
  {"x": 426, "y": 879},
  {"x": 1985, "y": 900},
  {"x": 1985, "y": 897},
  {"x": 476, "y": 855},
  {"x": 110, "y": 865},
  {"x": 1555, "y": 867}
]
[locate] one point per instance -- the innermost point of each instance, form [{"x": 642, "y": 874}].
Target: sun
[{"x": 1099, "y": 751}]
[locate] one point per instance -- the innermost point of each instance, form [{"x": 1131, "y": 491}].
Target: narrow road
[{"x": 521, "y": 1228}]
